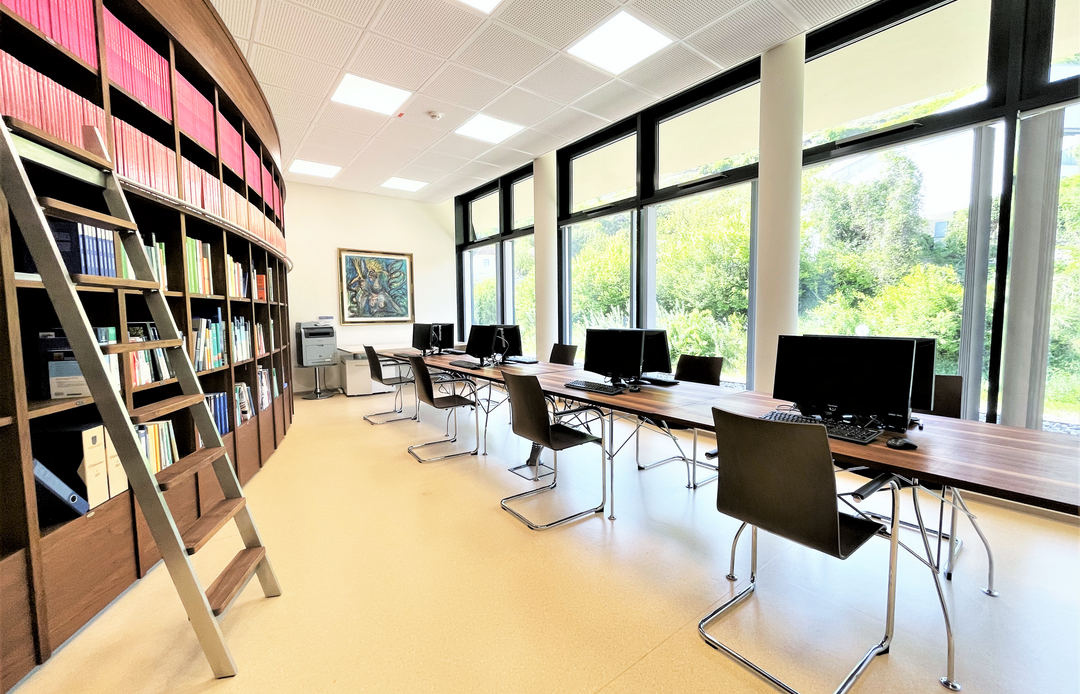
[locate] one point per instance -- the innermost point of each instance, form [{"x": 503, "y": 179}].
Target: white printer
[{"x": 316, "y": 347}]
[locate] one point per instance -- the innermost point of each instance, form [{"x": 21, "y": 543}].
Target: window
[
  {"x": 481, "y": 305},
  {"x": 718, "y": 136},
  {"x": 484, "y": 215},
  {"x": 702, "y": 276},
  {"x": 523, "y": 203},
  {"x": 598, "y": 274},
  {"x": 521, "y": 289},
  {"x": 1065, "y": 53},
  {"x": 932, "y": 63},
  {"x": 604, "y": 175}
]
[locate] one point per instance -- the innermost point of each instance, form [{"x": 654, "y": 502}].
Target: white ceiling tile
[
  {"x": 521, "y": 107},
  {"x": 356, "y": 12},
  {"x": 338, "y": 156},
  {"x": 439, "y": 162},
  {"x": 332, "y": 137},
  {"x": 420, "y": 106},
  {"x": 558, "y": 22},
  {"x": 571, "y": 124},
  {"x": 614, "y": 100},
  {"x": 393, "y": 63},
  {"x": 818, "y": 12},
  {"x": 239, "y": 15},
  {"x": 459, "y": 146},
  {"x": 301, "y": 32},
  {"x": 565, "y": 79},
  {"x": 670, "y": 70},
  {"x": 432, "y": 25},
  {"x": 419, "y": 173},
  {"x": 287, "y": 104},
  {"x": 480, "y": 170},
  {"x": 464, "y": 87},
  {"x": 684, "y": 17},
  {"x": 292, "y": 72},
  {"x": 505, "y": 158},
  {"x": 370, "y": 171},
  {"x": 352, "y": 119},
  {"x": 745, "y": 33},
  {"x": 293, "y": 129},
  {"x": 504, "y": 54},
  {"x": 388, "y": 150},
  {"x": 535, "y": 142},
  {"x": 400, "y": 130},
  {"x": 360, "y": 186}
]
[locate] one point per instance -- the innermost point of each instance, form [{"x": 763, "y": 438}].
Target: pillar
[{"x": 546, "y": 249}]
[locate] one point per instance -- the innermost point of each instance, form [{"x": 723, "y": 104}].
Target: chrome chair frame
[
  {"x": 399, "y": 392},
  {"x": 469, "y": 385}
]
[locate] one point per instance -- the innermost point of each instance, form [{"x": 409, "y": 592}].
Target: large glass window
[
  {"x": 718, "y": 136},
  {"x": 932, "y": 63},
  {"x": 604, "y": 175},
  {"x": 1065, "y": 53},
  {"x": 484, "y": 214},
  {"x": 481, "y": 273},
  {"x": 702, "y": 275},
  {"x": 519, "y": 259},
  {"x": 523, "y": 203},
  {"x": 598, "y": 273}
]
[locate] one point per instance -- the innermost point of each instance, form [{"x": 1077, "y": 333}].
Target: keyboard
[
  {"x": 593, "y": 387},
  {"x": 452, "y": 351},
  {"x": 520, "y": 360},
  {"x": 405, "y": 355},
  {"x": 836, "y": 430},
  {"x": 659, "y": 378},
  {"x": 467, "y": 364}
]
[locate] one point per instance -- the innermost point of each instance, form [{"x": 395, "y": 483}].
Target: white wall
[{"x": 321, "y": 220}]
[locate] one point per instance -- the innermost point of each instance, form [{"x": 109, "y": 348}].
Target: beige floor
[{"x": 400, "y": 577}]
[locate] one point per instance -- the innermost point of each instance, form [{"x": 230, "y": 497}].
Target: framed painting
[{"x": 375, "y": 287}]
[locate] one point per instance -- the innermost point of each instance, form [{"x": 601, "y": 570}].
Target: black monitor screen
[
  {"x": 442, "y": 336},
  {"x": 922, "y": 379},
  {"x": 840, "y": 375},
  {"x": 512, "y": 336},
  {"x": 421, "y": 336},
  {"x": 614, "y": 353},
  {"x": 657, "y": 356},
  {"x": 481, "y": 342}
]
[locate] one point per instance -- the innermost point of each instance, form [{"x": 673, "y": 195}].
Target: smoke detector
[{"x": 434, "y": 115}]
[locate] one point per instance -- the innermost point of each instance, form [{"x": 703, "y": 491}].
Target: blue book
[{"x": 57, "y": 494}]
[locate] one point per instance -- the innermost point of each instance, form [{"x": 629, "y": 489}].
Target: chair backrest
[
  {"x": 424, "y": 389},
  {"x": 778, "y": 476},
  {"x": 374, "y": 363},
  {"x": 563, "y": 354},
  {"x": 948, "y": 395},
  {"x": 697, "y": 369},
  {"x": 528, "y": 408}
]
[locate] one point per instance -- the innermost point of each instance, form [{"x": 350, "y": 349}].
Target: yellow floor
[{"x": 400, "y": 577}]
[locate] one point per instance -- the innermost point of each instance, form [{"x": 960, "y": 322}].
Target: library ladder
[{"x": 20, "y": 142}]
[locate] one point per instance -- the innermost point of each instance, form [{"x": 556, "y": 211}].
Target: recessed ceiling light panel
[
  {"x": 369, "y": 95},
  {"x": 311, "y": 168},
  {"x": 404, "y": 184},
  {"x": 488, "y": 129},
  {"x": 485, "y": 6},
  {"x": 619, "y": 43}
]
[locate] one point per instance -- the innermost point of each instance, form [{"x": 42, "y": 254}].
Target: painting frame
[{"x": 392, "y": 279}]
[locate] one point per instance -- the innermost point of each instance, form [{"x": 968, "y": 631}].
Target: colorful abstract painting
[{"x": 375, "y": 287}]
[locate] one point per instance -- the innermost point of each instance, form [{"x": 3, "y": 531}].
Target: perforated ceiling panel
[
  {"x": 571, "y": 124},
  {"x": 821, "y": 11},
  {"x": 356, "y": 12},
  {"x": 504, "y": 54},
  {"x": 684, "y": 17},
  {"x": 439, "y": 162},
  {"x": 336, "y": 155},
  {"x": 464, "y": 87},
  {"x": 670, "y": 70},
  {"x": 747, "y": 32},
  {"x": 301, "y": 32},
  {"x": 558, "y": 22},
  {"x": 521, "y": 107},
  {"x": 435, "y": 26},
  {"x": 352, "y": 119},
  {"x": 565, "y": 79},
  {"x": 332, "y": 137},
  {"x": 504, "y": 158},
  {"x": 239, "y": 15},
  {"x": 400, "y": 130},
  {"x": 291, "y": 72},
  {"x": 389, "y": 62},
  {"x": 390, "y": 151},
  {"x": 614, "y": 100},
  {"x": 478, "y": 169},
  {"x": 420, "y": 173},
  {"x": 288, "y": 104},
  {"x": 419, "y": 109},
  {"x": 459, "y": 146},
  {"x": 535, "y": 142}
]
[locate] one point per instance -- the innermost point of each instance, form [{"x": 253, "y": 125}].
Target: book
[
  {"x": 263, "y": 377},
  {"x": 57, "y": 501},
  {"x": 195, "y": 113},
  {"x": 136, "y": 67},
  {"x": 61, "y": 376},
  {"x": 241, "y": 339},
  {"x": 76, "y": 455},
  {"x": 69, "y": 23},
  {"x": 245, "y": 408},
  {"x": 143, "y": 159}
]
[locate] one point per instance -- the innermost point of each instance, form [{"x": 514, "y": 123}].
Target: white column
[
  {"x": 1031, "y": 275},
  {"x": 546, "y": 229},
  {"x": 779, "y": 203}
]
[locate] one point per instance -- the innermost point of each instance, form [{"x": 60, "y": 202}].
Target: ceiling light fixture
[
  {"x": 485, "y": 6},
  {"x": 369, "y": 95},
  {"x": 488, "y": 129},
  {"x": 403, "y": 184},
  {"x": 619, "y": 43},
  {"x": 311, "y": 168}
]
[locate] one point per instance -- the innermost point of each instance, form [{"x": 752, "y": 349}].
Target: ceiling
[{"x": 511, "y": 64}]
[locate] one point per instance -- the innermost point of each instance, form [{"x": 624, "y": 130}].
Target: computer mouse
[
  {"x": 901, "y": 444},
  {"x": 634, "y": 389}
]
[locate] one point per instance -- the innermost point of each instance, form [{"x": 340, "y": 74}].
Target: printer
[{"x": 316, "y": 344}]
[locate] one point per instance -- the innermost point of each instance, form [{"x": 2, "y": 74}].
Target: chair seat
[
  {"x": 448, "y": 401},
  {"x": 393, "y": 381},
  {"x": 563, "y": 437},
  {"x": 854, "y": 532}
]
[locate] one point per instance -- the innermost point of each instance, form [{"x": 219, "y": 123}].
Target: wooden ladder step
[
  {"x": 146, "y": 413},
  {"x": 115, "y": 282},
  {"x": 122, "y": 347},
  {"x": 187, "y": 466},
  {"x": 73, "y": 213},
  {"x": 228, "y": 585},
  {"x": 45, "y": 139},
  {"x": 208, "y": 525}
]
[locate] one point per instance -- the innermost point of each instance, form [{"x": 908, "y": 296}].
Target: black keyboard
[
  {"x": 659, "y": 378},
  {"x": 452, "y": 351},
  {"x": 836, "y": 430},
  {"x": 520, "y": 360},
  {"x": 592, "y": 387},
  {"x": 405, "y": 355},
  {"x": 467, "y": 364}
]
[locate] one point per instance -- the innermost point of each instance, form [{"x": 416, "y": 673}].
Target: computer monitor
[
  {"x": 442, "y": 336},
  {"x": 657, "y": 356},
  {"x": 922, "y": 379},
  {"x": 481, "y": 344},
  {"x": 835, "y": 376},
  {"x": 508, "y": 340},
  {"x": 616, "y": 354},
  {"x": 421, "y": 336}
]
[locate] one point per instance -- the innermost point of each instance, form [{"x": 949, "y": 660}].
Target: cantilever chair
[
  {"x": 532, "y": 422},
  {"x": 562, "y": 354},
  {"x": 425, "y": 391},
  {"x": 778, "y": 476},
  {"x": 692, "y": 369},
  {"x": 375, "y": 365}
]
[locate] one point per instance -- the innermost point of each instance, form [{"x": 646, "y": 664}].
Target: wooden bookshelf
[{"x": 56, "y": 576}]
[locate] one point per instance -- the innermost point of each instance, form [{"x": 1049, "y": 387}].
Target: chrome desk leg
[
  {"x": 611, "y": 456},
  {"x": 734, "y": 545},
  {"x": 949, "y": 681},
  {"x": 954, "y": 545},
  {"x": 989, "y": 589},
  {"x": 693, "y": 481}
]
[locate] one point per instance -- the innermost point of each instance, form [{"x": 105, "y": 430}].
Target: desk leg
[
  {"x": 989, "y": 589},
  {"x": 611, "y": 457},
  {"x": 949, "y": 681},
  {"x": 954, "y": 544}
]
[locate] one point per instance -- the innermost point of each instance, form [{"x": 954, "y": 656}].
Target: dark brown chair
[
  {"x": 425, "y": 391},
  {"x": 532, "y": 421},
  {"x": 398, "y": 382},
  {"x": 563, "y": 354}
]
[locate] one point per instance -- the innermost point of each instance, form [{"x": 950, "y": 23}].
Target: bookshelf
[{"x": 214, "y": 179}]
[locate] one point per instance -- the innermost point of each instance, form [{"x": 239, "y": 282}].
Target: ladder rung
[
  {"x": 146, "y": 413},
  {"x": 114, "y": 282},
  {"x": 228, "y": 585},
  {"x": 187, "y": 466},
  {"x": 73, "y": 213},
  {"x": 56, "y": 144},
  {"x": 121, "y": 347},
  {"x": 208, "y": 525}
]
